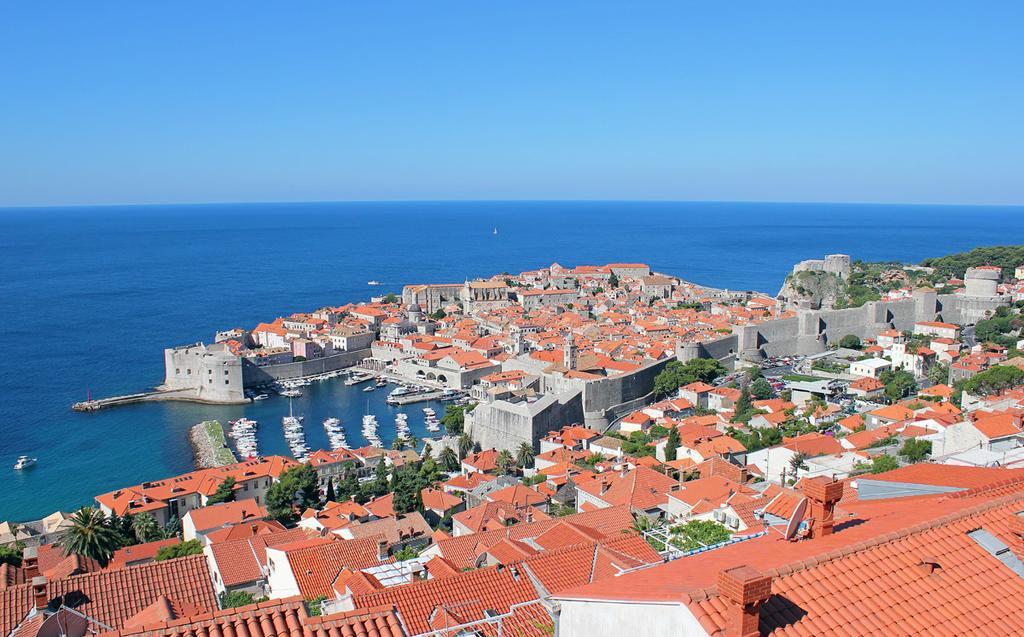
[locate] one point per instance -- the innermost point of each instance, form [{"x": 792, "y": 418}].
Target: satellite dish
[{"x": 796, "y": 518}]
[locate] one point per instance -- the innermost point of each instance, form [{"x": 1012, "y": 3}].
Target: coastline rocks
[{"x": 209, "y": 447}]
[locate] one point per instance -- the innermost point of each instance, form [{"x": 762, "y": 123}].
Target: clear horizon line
[{"x": 4, "y": 208}]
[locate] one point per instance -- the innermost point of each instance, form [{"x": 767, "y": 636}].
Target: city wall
[
  {"x": 504, "y": 425},
  {"x": 254, "y": 375}
]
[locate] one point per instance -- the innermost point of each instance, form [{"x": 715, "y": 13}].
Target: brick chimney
[
  {"x": 30, "y": 562},
  {"x": 744, "y": 590},
  {"x": 822, "y": 495},
  {"x": 382, "y": 550},
  {"x": 39, "y": 597}
]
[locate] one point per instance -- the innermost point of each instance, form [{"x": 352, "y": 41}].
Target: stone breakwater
[{"x": 209, "y": 446}]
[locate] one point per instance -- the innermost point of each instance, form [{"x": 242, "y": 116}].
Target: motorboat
[
  {"x": 370, "y": 388},
  {"x": 24, "y": 462},
  {"x": 260, "y": 397}
]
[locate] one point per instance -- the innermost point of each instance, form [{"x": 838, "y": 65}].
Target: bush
[
  {"x": 181, "y": 549},
  {"x": 850, "y": 341}
]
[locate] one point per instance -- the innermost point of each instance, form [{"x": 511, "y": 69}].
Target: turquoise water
[{"x": 91, "y": 296}]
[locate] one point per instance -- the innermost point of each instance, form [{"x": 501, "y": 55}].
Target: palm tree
[
  {"x": 524, "y": 455},
  {"x": 506, "y": 463},
  {"x": 398, "y": 444},
  {"x": 89, "y": 536},
  {"x": 448, "y": 459},
  {"x": 797, "y": 462},
  {"x": 145, "y": 527},
  {"x": 465, "y": 445}
]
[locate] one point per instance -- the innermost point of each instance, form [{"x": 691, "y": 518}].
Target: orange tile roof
[
  {"x": 151, "y": 496},
  {"x": 138, "y": 553},
  {"x": 276, "y": 618},
  {"x": 114, "y": 596},
  {"x": 240, "y": 561},
  {"x": 863, "y": 526},
  {"x": 518, "y": 495},
  {"x": 642, "y": 489},
  {"x": 225, "y": 514},
  {"x": 463, "y": 550},
  {"x": 315, "y": 567},
  {"x": 460, "y": 599}
]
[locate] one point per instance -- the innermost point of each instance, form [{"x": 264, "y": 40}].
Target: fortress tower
[
  {"x": 982, "y": 280},
  {"x": 569, "y": 353}
]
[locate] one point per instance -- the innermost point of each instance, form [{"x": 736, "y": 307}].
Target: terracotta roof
[
  {"x": 316, "y": 566},
  {"x": 462, "y": 598},
  {"x": 944, "y": 475},
  {"x": 114, "y": 596},
  {"x": 463, "y": 550},
  {"x": 139, "y": 553},
  {"x": 240, "y": 561},
  {"x": 225, "y": 514},
  {"x": 580, "y": 564},
  {"x": 276, "y": 618},
  {"x": 642, "y": 489}
]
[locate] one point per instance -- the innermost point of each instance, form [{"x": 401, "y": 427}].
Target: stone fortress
[{"x": 837, "y": 264}]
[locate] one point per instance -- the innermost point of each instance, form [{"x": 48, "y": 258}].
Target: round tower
[{"x": 982, "y": 280}]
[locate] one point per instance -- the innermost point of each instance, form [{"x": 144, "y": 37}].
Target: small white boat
[
  {"x": 373, "y": 282},
  {"x": 370, "y": 388},
  {"x": 24, "y": 462},
  {"x": 260, "y": 397}
]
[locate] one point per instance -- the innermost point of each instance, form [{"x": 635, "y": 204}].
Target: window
[
  {"x": 226, "y": 382},
  {"x": 188, "y": 371},
  {"x": 225, "y": 372}
]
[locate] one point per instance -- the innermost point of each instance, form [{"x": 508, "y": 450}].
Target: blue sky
[{"x": 152, "y": 102}]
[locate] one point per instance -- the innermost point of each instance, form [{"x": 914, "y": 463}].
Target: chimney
[
  {"x": 39, "y": 596},
  {"x": 744, "y": 589},
  {"x": 822, "y": 494},
  {"x": 30, "y": 562},
  {"x": 382, "y": 550}
]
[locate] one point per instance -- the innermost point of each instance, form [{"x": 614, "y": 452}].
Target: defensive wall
[
  {"x": 254, "y": 375},
  {"x": 505, "y": 425},
  {"x": 811, "y": 331}
]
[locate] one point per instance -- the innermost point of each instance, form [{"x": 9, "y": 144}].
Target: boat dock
[{"x": 415, "y": 398}]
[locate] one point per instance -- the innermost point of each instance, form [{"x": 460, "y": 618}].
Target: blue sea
[{"x": 92, "y": 295}]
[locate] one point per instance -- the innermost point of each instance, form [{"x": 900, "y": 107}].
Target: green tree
[
  {"x": 449, "y": 460},
  {"x": 330, "y": 495},
  {"x": 697, "y": 534},
  {"x": 938, "y": 374},
  {"x": 454, "y": 419},
  {"x": 398, "y": 444},
  {"x": 883, "y": 463},
  {"x": 390, "y": 298},
  {"x": 10, "y": 555},
  {"x": 671, "y": 444},
  {"x": 171, "y": 529},
  {"x": 296, "y": 487},
  {"x": 314, "y": 605},
  {"x": 181, "y": 549},
  {"x": 90, "y": 536},
  {"x": 235, "y": 599},
  {"x": 438, "y": 314},
  {"x": 613, "y": 281},
  {"x": 993, "y": 380},
  {"x": 676, "y": 374},
  {"x": 898, "y": 384},
  {"x": 797, "y": 463},
  {"x": 406, "y": 487},
  {"x": 225, "y": 492},
  {"x": 915, "y": 450},
  {"x": 466, "y": 445},
  {"x": 506, "y": 463},
  {"x": 406, "y": 553},
  {"x": 524, "y": 455},
  {"x": 850, "y": 341},
  {"x": 761, "y": 389},
  {"x": 146, "y": 528}
]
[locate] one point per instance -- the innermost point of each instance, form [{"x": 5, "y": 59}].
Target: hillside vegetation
[{"x": 870, "y": 280}]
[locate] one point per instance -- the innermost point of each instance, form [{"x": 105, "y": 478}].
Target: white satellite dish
[{"x": 796, "y": 518}]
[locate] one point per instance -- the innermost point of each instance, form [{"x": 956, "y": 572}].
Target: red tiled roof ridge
[
  {"x": 828, "y": 556},
  {"x": 986, "y": 488}
]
